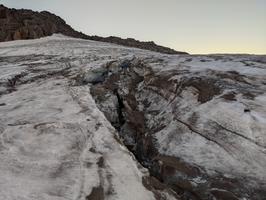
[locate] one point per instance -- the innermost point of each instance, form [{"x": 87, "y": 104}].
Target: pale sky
[{"x": 194, "y": 26}]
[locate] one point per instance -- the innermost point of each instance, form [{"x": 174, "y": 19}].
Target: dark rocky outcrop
[
  {"x": 26, "y": 24},
  {"x": 130, "y": 42}
]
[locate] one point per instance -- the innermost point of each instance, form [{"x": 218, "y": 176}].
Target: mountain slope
[
  {"x": 197, "y": 123},
  {"x": 54, "y": 142},
  {"x": 27, "y": 24}
]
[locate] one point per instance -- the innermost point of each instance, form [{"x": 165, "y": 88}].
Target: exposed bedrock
[
  {"x": 22, "y": 24},
  {"x": 197, "y": 132}
]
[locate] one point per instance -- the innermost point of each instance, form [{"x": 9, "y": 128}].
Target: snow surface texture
[
  {"x": 201, "y": 129},
  {"x": 56, "y": 144}
]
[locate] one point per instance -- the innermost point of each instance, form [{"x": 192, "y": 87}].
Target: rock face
[
  {"x": 27, "y": 24},
  {"x": 196, "y": 123},
  {"x": 130, "y": 42}
]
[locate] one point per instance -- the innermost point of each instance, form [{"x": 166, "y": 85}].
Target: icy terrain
[
  {"x": 196, "y": 122},
  {"x": 55, "y": 143}
]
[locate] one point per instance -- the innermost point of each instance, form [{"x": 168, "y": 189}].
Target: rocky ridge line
[{"x": 18, "y": 24}]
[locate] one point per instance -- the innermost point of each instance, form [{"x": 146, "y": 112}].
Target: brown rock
[
  {"x": 17, "y": 35},
  {"x": 27, "y": 24}
]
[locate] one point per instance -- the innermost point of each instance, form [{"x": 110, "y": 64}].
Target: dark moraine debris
[
  {"x": 229, "y": 96},
  {"x": 97, "y": 193}
]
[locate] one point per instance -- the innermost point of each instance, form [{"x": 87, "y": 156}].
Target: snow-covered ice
[{"x": 56, "y": 144}]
